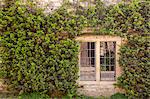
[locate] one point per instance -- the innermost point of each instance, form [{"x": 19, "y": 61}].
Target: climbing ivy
[
  {"x": 38, "y": 51},
  {"x": 131, "y": 21},
  {"x": 134, "y": 61}
]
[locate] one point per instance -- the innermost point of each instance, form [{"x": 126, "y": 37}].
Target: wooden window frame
[
  {"x": 97, "y": 40},
  {"x": 87, "y": 66}
]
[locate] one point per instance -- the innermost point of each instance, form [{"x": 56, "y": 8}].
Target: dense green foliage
[
  {"x": 132, "y": 22},
  {"x": 123, "y": 18},
  {"x": 37, "y": 95},
  {"x": 135, "y": 64},
  {"x": 39, "y": 53},
  {"x": 118, "y": 96},
  {"x": 34, "y": 95},
  {"x": 94, "y": 15}
]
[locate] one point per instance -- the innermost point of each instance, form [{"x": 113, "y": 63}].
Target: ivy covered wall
[
  {"x": 131, "y": 21},
  {"x": 36, "y": 54},
  {"x": 39, "y": 52}
]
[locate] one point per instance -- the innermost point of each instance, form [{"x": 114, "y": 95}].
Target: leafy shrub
[
  {"x": 118, "y": 96},
  {"x": 36, "y": 55},
  {"x": 134, "y": 61},
  {"x": 83, "y": 97},
  {"x": 122, "y": 18},
  {"x": 132, "y": 22},
  {"x": 34, "y": 95}
]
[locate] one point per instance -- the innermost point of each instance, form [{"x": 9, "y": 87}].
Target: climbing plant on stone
[
  {"x": 131, "y": 21},
  {"x": 36, "y": 55},
  {"x": 39, "y": 52}
]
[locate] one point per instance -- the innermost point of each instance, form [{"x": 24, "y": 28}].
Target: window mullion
[
  {"x": 97, "y": 53},
  {"x": 117, "y": 68}
]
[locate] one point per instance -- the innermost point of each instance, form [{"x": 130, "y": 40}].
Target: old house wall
[{"x": 96, "y": 88}]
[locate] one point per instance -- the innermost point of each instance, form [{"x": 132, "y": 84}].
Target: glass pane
[
  {"x": 107, "y": 60},
  {"x": 92, "y": 53},
  {"x": 92, "y": 45},
  {"x": 87, "y": 61}
]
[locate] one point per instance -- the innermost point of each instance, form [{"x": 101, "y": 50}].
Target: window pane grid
[
  {"x": 87, "y": 61},
  {"x": 107, "y": 60},
  {"x": 107, "y": 56}
]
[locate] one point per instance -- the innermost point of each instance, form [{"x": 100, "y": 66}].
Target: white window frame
[{"x": 97, "y": 39}]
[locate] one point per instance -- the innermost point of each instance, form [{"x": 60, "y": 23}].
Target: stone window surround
[{"x": 97, "y": 39}]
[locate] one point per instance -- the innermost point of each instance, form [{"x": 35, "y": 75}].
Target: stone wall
[
  {"x": 103, "y": 88},
  {"x": 3, "y": 88}
]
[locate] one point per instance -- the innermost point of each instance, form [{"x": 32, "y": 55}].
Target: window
[
  {"x": 98, "y": 58},
  {"x": 87, "y": 61},
  {"x": 107, "y": 60}
]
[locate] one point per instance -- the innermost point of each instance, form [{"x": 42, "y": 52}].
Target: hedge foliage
[
  {"x": 132, "y": 21},
  {"x": 39, "y": 53},
  {"x": 135, "y": 64}
]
